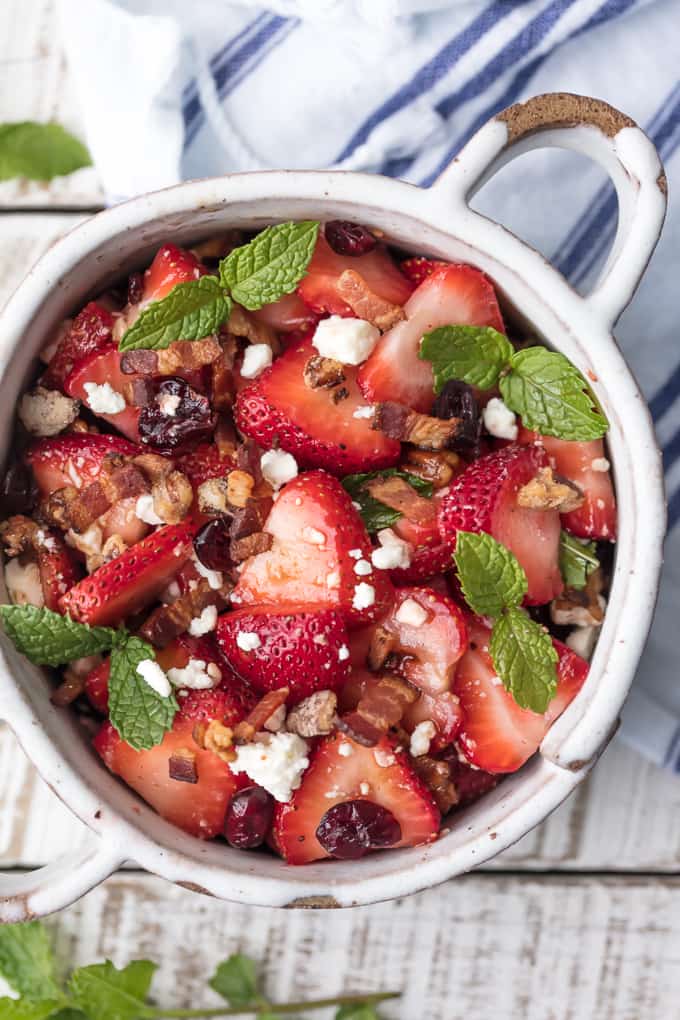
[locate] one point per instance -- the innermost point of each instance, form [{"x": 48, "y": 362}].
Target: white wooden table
[{"x": 580, "y": 919}]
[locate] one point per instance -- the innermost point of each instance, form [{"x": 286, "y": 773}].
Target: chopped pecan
[
  {"x": 172, "y": 497},
  {"x": 55, "y": 509},
  {"x": 242, "y": 323},
  {"x": 167, "y": 622},
  {"x": 580, "y": 608},
  {"x": 313, "y": 716},
  {"x": 212, "y": 496},
  {"x": 408, "y": 426},
  {"x": 323, "y": 373},
  {"x": 397, "y": 494},
  {"x": 248, "y": 459},
  {"x": 47, "y": 412},
  {"x": 80, "y": 425},
  {"x": 114, "y": 546},
  {"x": 153, "y": 465},
  {"x": 381, "y": 706},
  {"x": 437, "y": 776},
  {"x": 382, "y": 644},
  {"x": 262, "y": 712},
  {"x": 241, "y": 549},
  {"x": 438, "y": 468},
  {"x": 182, "y": 766},
  {"x": 216, "y": 737},
  {"x": 548, "y": 491},
  {"x": 240, "y": 485},
  {"x": 353, "y": 289},
  {"x": 223, "y": 384},
  {"x": 18, "y": 534}
]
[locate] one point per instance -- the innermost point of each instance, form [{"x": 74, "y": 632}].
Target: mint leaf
[
  {"x": 27, "y": 961},
  {"x": 271, "y": 265},
  {"x": 191, "y": 311},
  {"x": 235, "y": 980},
  {"x": 490, "y": 576},
  {"x": 139, "y": 714},
  {"x": 103, "y": 992},
  {"x": 525, "y": 659},
  {"x": 50, "y": 639},
  {"x": 28, "y": 1009},
  {"x": 39, "y": 151},
  {"x": 472, "y": 354},
  {"x": 551, "y": 396},
  {"x": 578, "y": 560},
  {"x": 375, "y": 514}
]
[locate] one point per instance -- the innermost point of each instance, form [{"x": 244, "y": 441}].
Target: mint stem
[{"x": 277, "y": 1008}]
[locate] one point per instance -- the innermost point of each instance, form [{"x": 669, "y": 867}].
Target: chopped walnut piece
[
  {"x": 438, "y": 468},
  {"x": 18, "y": 534},
  {"x": 218, "y": 738},
  {"x": 55, "y": 509},
  {"x": 240, "y": 485},
  {"x": 182, "y": 766},
  {"x": 153, "y": 465},
  {"x": 397, "y": 494},
  {"x": 212, "y": 496},
  {"x": 400, "y": 422},
  {"x": 436, "y": 775},
  {"x": 382, "y": 644},
  {"x": 172, "y": 497},
  {"x": 381, "y": 706},
  {"x": 242, "y": 324},
  {"x": 580, "y": 608},
  {"x": 241, "y": 549},
  {"x": 353, "y": 289},
  {"x": 167, "y": 622},
  {"x": 313, "y": 716},
  {"x": 47, "y": 412},
  {"x": 548, "y": 491},
  {"x": 323, "y": 373}
]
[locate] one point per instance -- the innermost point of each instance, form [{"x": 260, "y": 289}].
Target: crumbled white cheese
[
  {"x": 582, "y": 640},
  {"x": 313, "y": 536},
  {"x": 411, "y": 613},
  {"x": 256, "y": 358},
  {"x": 213, "y": 577},
  {"x": 363, "y": 568},
  {"x": 248, "y": 640},
  {"x": 422, "y": 737},
  {"x": 168, "y": 404},
  {"x": 364, "y": 596},
  {"x": 349, "y": 341},
  {"x": 364, "y": 789},
  {"x": 367, "y": 411},
  {"x": 499, "y": 420},
  {"x": 103, "y": 399},
  {"x": 333, "y": 579},
  {"x": 278, "y": 467},
  {"x": 383, "y": 758},
  {"x": 343, "y": 653},
  {"x": 393, "y": 553},
  {"x": 152, "y": 674},
  {"x": 600, "y": 464},
  {"x": 23, "y": 584},
  {"x": 345, "y": 749},
  {"x": 356, "y": 554},
  {"x": 171, "y": 593},
  {"x": 204, "y": 623},
  {"x": 197, "y": 675},
  {"x": 145, "y": 511},
  {"x": 274, "y": 761}
]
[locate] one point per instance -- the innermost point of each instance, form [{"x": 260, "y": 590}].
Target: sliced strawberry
[
  {"x": 430, "y": 555},
  {"x": 318, "y": 288},
  {"x": 278, "y": 408},
  {"x": 58, "y": 568},
  {"x": 574, "y": 460},
  {"x": 90, "y": 332},
  {"x": 484, "y": 498},
  {"x": 300, "y": 647},
  {"x": 286, "y": 315},
  {"x": 452, "y": 295},
  {"x": 122, "y": 520},
  {"x": 471, "y": 783},
  {"x": 97, "y": 686},
  {"x": 104, "y": 367},
  {"x": 497, "y": 735},
  {"x": 171, "y": 265},
  {"x": 74, "y": 458},
  {"x": 443, "y": 710},
  {"x": 315, "y": 528},
  {"x": 333, "y": 778},
  {"x": 203, "y": 463},
  {"x": 131, "y": 581},
  {"x": 418, "y": 268}
]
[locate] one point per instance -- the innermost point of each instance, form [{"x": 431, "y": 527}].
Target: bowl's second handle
[{"x": 597, "y": 130}]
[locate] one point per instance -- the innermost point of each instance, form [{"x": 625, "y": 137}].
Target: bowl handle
[{"x": 595, "y": 129}]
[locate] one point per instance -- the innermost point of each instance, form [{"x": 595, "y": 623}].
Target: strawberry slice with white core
[
  {"x": 451, "y": 296},
  {"x": 104, "y": 371},
  {"x": 342, "y": 771},
  {"x": 318, "y": 288},
  {"x": 74, "y": 458},
  {"x": 484, "y": 498},
  {"x": 321, "y": 554},
  {"x": 90, "y": 331},
  {"x": 497, "y": 735}
]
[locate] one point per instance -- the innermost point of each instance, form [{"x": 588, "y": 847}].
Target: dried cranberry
[
  {"x": 18, "y": 492},
  {"x": 135, "y": 288},
  {"x": 248, "y": 818},
  {"x": 458, "y": 400},
  {"x": 211, "y": 545},
  {"x": 349, "y": 830},
  {"x": 347, "y": 238},
  {"x": 172, "y": 425}
]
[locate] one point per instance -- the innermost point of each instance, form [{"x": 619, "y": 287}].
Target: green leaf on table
[
  {"x": 50, "y": 639},
  {"x": 551, "y": 396},
  {"x": 139, "y": 713},
  {"x": 578, "y": 560},
  {"x": 472, "y": 354},
  {"x": 103, "y": 992},
  {"x": 39, "y": 151},
  {"x": 357, "y": 1011},
  {"x": 27, "y": 962},
  {"x": 236, "y": 981},
  {"x": 270, "y": 265},
  {"x": 31, "y": 1009},
  {"x": 377, "y": 515},
  {"x": 525, "y": 659},
  {"x": 191, "y": 311},
  {"x": 490, "y": 575}
]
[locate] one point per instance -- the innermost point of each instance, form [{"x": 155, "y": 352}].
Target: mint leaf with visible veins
[
  {"x": 39, "y": 151},
  {"x": 377, "y": 515},
  {"x": 490, "y": 575},
  {"x": 525, "y": 659},
  {"x": 27, "y": 961},
  {"x": 578, "y": 560},
  {"x": 31, "y": 1009},
  {"x": 191, "y": 311},
  {"x": 103, "y": 992},
  {"x": 139, "y": 713},
  {"x": 270, "y": 265},
  {"x": 551, "y": 396},
  {"x": 50, "y": 639},
  {"x": 236, "y": 981},
  {"x": 473, "y": 354}
]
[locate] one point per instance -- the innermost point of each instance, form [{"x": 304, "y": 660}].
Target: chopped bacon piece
[
  {"x": 182, "y": 765},
  {"x": 323, "y": 372},
  {"x": 264, "y": 710},
  {"x": 167, "y": 622},
  {"x": 382, "y": 705},
  {"x": 182, "y": 355},
  {"x": 382, "y": 645},
  {"x": 400, "y": 422},
  {"x": 241, "y": 549},
  {"x": 437, "y": 777},
  {"x": 365, "y": 303},
  {"x": 119, "y": 479},
  {"x": 397, "y": 494}
]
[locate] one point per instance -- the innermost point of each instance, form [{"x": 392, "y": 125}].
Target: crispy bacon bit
[
  {"x": 584, "y": 608},
  {"x": 381, "y": 706},
  {"x": 437, "y": 776},
  {"x": 264, "y": 710},
  {"x": 182, "y": 766},
  {"x": 323, "y": 373},
  {"x": 172, "y": 497},
  {"x": 119, "y": 479},
  {"x": 382, "y": 644},
  {"x": 352, "y": 288},
  {"x": 548, "y": 491},
  {"x": 71, "y": 687},
  {"x": 142, "y": 362},
  {"x": 167, "y": 622},
  {"x": 240, "y": 485},
  {"x": 215, "y": 737},
  {"x": 400, "y": 422},
  {"x": 242, "y": 324},
  {"x": 55, "y": 509},
  {"x": 241, "y": 549},
  {"x": 185, "y": 355},
  {"x": 396, "y": 493},
  {"x": 313, "y": 716},
  {"x": 139, "y": 392},
  {"x": 223, "y": 384},
  {"x": 392, "y": 419},
  {"x": 436, "y": 468},
  {"x": 249, "y": 519},
  {"x": 225, "y": 437},
  {"x": 18, "y": 534}
]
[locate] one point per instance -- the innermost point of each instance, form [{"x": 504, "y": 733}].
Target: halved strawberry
[
  {"x": 318, "y": 288},
  {"x": 90, "y": 331},
  {"x": 131, "y": 581},
  {"x": 58, "y": 567},
  {"x": 171, "y": 265},
  {"x": 122, "y": 520},
  {"x": 104, "y": 367},
  {"x": 333, "y": 778},
  {"x": 300, "y": 647},
  {"x": 452, "y": 295},
  {"x": 286, "y": 315},
  {"x": 497, "y": 735},
  {"x": 484, "y": 498},
  {"x": 278, "y": 408},
  {"x": 586, "y": 465},
  {"x": 418, "y": 268},
  {"x": 74, "y": 458},
  {"x": 319, "y": 542},
  {"x": 97, "y": 686},
  {"x": 430, "y": 554}
]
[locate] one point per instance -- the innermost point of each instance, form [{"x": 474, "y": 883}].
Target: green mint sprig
[
  {"x": 522, "y": 652},
  {"x": 140, "y": 715},
  {"x": 578, "y": 560},
  {"x": 102, "y": 991},
  {"x": 256, "y": 274},
  {"x": 541, "y": 386},
  {"x": 39, "y": 152},
  {"x": 375, "y": 514}
]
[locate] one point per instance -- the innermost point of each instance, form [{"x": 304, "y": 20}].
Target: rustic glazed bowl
[{"x": 436, "y": 222}]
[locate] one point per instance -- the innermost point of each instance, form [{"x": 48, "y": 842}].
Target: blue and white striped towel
[{"x": 171, "y": 89}]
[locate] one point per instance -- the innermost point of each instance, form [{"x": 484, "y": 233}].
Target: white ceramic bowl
[{"x": 436, "y": 222}]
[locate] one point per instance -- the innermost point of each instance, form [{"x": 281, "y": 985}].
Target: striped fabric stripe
[{"x": 190, "y": 92}]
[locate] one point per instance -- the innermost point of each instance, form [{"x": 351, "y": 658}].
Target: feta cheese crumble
[
  {"x": 204, "y": 623},
  {"x": 274, "y": 761},
  {"x": 152, "y": 674},
  {"x": 356, "y": 554},
  {"x": 600, "y": 464},
  {"x": 364, "y": 596},
  {"x": 349, "y": 341},
  {"x": 278, "y": 467},
  {"x": 256, "y": 358},
  {"x": 145, "y": 511},
  {"x": 367, "y": 411},
  {"x": 499, "y": 420},
  {"x": 393, "y": 553},
  {"x": 363, "y": 568},
  {"x": 383, "y": 758},
  {"x": 103, "y": 399},
  {"x": 248, "y": 640},
  {"x": 411, "y": 613},
  {"x": 422, "y": 737},
  {"x": 343, "y": 653},
  {"x": 196, "y": 675}
]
